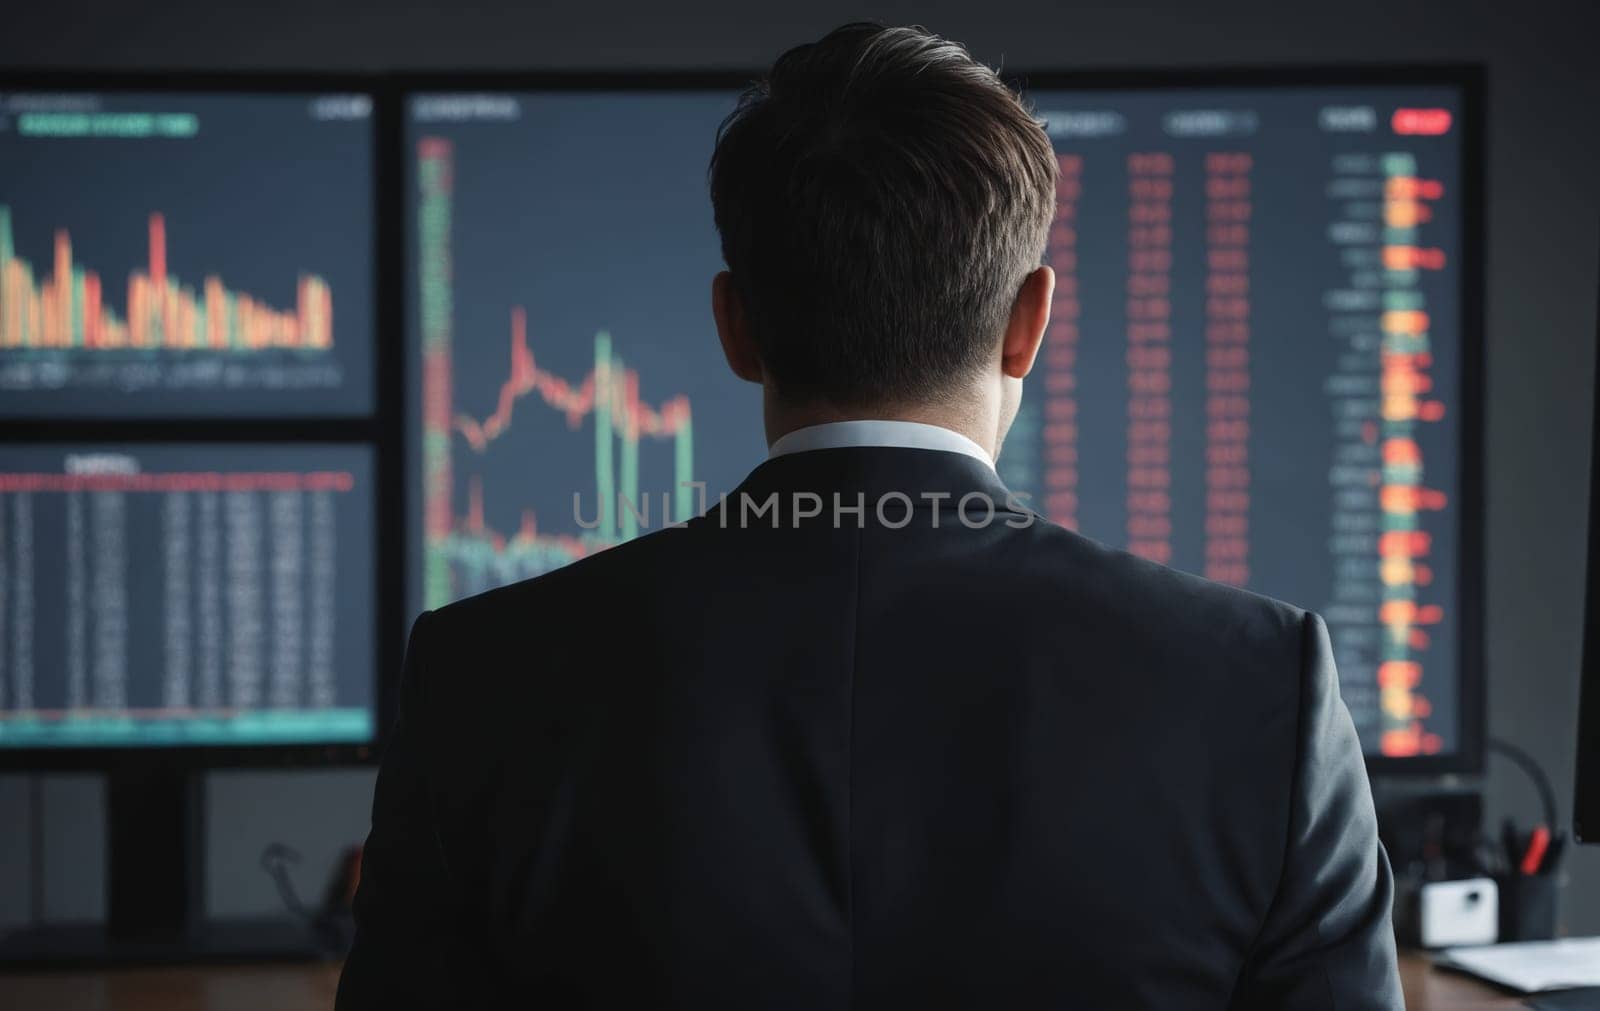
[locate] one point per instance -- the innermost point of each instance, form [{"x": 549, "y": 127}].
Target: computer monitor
[
  {"x": 1263, "y": 364},
  {"x": 189, "y": 412},
  {"x": 167, "y": 250},
  {"x": 167, "y": 607},
  {"x": 1586, "y": 804},
  {"x": 195, "y": 433}
]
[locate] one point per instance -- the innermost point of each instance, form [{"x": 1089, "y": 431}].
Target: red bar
[
  {"x": 158, "y": 252},
  {"x": 63, "y": 289},
  {"x": 1421, "y": 122},
  {"x": 91, "y": 310}
]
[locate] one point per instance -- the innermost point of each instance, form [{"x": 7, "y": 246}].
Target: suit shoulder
[{"x": 1194, "y": 614}]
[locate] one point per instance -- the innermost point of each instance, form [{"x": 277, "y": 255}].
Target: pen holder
[{"x": 1528, "y": 906}]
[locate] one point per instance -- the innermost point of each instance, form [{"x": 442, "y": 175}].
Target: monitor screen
[
  {"x": 184, "y": 595},
  {"x": 1254, "y": 364},
  {"x": 182, "y": 254},
  {"x": 1254, "y": 369}
]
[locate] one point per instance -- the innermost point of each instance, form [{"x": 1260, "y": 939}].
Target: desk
[
  {"x": 300, "y": 987},
  {"x": 1427, "y": 987},
  {"x": 311, "y": 988}
]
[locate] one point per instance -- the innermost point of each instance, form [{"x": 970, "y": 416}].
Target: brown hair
[{"x": 881, "y": 196}]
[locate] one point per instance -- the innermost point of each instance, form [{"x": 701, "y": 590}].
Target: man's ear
[
  {"x": 1030, "y": 316},
  {"x": 733, "y": 329}
]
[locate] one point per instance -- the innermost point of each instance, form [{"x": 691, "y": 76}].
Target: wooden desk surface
[
  {"x": 297, "y": 987},
  {"x": 311, "y": 988}
]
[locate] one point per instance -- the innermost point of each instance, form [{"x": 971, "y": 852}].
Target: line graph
[
  {"x": 464, "y": 552},
  {"x": 576, "y": 402}
]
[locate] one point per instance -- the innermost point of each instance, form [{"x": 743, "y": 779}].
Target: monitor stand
[{"x": 155, "y": 847}]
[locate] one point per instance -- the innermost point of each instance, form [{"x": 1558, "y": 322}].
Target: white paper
[{"x": 1532, "y": 966}]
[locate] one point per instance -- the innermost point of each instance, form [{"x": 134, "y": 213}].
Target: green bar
[
  {"x": 177, "y": 124},
  {"x": 1400, "y": 163},
  {"x": 434, "y": 307},
  {"x": 683, "y": 470},
  {"x": 157, "y": 320},
  {"x": 604, "y": 474},
  {"x": 5, "y": 235},
  {"x": 630, "y": 467},
  {"x": 5, "y": 259},
  {"x": 433, "y": 226},
  {"x": 77, "y": 309},
  {"x": 233, "y": 319},
  {"x": 46, "y": 124}
]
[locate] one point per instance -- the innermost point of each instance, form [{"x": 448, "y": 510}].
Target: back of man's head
[{"x": 881, "y": 196}]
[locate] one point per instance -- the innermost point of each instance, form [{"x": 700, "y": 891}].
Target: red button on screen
[{"x": 1423, "y": 122}]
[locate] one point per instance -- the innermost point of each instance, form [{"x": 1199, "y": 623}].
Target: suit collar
[
  {"x": 878, "y": 433},
  {"x": 925, "y": 476}
]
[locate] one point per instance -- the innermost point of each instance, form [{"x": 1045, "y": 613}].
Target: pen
[{"x": 1539, "y": 842}]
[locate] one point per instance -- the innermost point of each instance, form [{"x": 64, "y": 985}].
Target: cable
[
  {"x": 275, "y": 860},
  {"x": 1529, "y": 765},
  {"x": 330, "y": 932}
]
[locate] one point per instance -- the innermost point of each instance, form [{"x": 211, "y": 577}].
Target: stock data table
[
  {"x": 185, "y": 595},
  {"x": 1255, "y": 360}
]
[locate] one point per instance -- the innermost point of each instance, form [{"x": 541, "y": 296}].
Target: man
[{"x": 869, "y": 734}]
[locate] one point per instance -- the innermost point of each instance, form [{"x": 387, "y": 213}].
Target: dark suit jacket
[{"x": 877, "y": 767}]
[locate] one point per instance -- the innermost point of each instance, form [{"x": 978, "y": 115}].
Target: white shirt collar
[{"x": 890, "y": 434}]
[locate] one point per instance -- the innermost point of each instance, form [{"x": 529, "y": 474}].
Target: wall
[{"x": 1544, "y": 209}]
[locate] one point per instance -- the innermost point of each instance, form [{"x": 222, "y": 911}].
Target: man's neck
[{"x": 968, "y": 419}]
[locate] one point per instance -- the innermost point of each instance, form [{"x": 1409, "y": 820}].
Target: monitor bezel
[{"x": 377, "y": 431}]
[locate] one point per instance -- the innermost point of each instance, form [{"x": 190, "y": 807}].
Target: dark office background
[{"x": 1544, "y": 238}]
